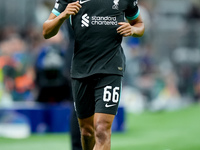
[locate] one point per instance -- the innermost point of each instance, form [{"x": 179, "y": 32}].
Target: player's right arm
[{"x": 52, "y": 25}]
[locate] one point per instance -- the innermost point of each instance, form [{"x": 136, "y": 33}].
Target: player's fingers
[
  {"x": 78, "y": 4},
  {"x": 73, "y": 13},
  {"x": 121, "y": 23},
  {"x": 74, "y": 4},
  {"x": 124, "y": 30},
  {"x": 76, "y": 9},
  {"x": 127, "y": 34},
  {"x": 73, "y": 10},
  {"x": 119, "y": 29},
  {"x": 123, "y": 26}
]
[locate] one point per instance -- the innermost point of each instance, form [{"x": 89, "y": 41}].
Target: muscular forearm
[{"x": 52, "y": 26}]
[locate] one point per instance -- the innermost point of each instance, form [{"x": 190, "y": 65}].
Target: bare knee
[
  {"x": 87, "y": 130},
  {"x": 102, "y": 132},
  {"x": 87, "y": 133},
  {"x": 86, "y": 127}
]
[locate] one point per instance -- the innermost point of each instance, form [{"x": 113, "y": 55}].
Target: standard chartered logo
[
  {"x": 101, "y": 20},
  {"x": 85, "y": 20},
  {"x": 98, "y": 20}
]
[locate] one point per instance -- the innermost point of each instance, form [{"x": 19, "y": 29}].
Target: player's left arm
[{"x": 133, "y": 28}]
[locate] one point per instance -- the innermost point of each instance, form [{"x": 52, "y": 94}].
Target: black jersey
[{"x": 97, "y": 43}]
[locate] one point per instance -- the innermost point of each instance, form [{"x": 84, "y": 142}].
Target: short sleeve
[
  {"x": 132, "y": 11},
  {"x": 59, "y": 6}
]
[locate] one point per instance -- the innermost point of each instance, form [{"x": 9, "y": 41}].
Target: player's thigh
[
  {"x": 108, "y": 94},
  {"x": 103, "y": 121},
  {"x": 83, "y": 96},
  {"x": 86, "y": 125}
]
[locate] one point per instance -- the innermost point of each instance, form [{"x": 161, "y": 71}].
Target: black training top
[{"x": 97, "y": 43}]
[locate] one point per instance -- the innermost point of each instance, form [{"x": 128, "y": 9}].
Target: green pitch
[{"x": 177, "y": 130}]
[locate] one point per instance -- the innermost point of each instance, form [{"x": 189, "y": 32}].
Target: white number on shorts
[{"x": 107, "y": 95}]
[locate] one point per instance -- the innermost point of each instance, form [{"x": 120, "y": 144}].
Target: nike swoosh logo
[
  {"x": 82, "y": 2},
  {"x": 109, "y": 105}
]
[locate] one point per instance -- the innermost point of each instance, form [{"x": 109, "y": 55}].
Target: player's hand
[
  {"x": 125, "y": 29},
  {"x": 71, "y": 9}
]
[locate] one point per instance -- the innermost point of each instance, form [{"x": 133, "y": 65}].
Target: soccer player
[{"x": 98, "y": 62}]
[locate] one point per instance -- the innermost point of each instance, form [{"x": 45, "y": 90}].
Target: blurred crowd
[
  {"x": 163, "y": 67},
  {"x": 32, "y": 68}
]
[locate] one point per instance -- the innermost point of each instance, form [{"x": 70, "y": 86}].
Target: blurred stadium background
[{"x": 159, "y": 107}]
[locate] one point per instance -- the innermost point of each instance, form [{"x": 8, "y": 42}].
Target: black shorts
[{"x": 96, "y": 94}]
